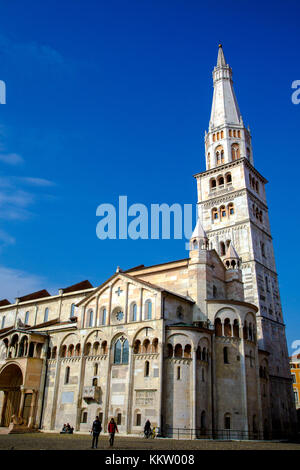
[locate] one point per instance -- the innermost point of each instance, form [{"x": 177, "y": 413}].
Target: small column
[
  {"x": 109, "y": 305},
  {"x": 21, "y": 407},
  {"x": 96, "y": 312},
  {"x": 194, "y": 394},
  {"x": 161, "y": 373},
  {"x": 83, "y": 317},
  {"x": 141, "y": 304},
  {"x": 126, "y": 302},
  {"x": 32, "y": 408},
  {"x": 129, "y": 393},
  {"x": 244, "y": 384}
]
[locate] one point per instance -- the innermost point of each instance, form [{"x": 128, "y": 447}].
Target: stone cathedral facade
[{"x": 195, "y": 344}]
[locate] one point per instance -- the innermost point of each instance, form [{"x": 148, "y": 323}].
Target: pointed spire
[
  {"x": 221, "y": 58},
  {"x": 225, "y": 109},
  {"x": 231, "y": 253},
  {"x": 231, "y": 259},
  {"x": 199, "y": 238},
  {"x": 199, "y": 231}
]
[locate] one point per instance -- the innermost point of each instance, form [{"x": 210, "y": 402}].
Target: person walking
[
  {"x": 112, "y": 428},
  {"x": 147, "y": 428},
  {"x": 96, "y": 429}
]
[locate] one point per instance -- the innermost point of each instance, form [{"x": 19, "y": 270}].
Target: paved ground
[{"x": 43, "y": 441}]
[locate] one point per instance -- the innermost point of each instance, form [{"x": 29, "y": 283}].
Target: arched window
[
  {"x": 95, "y": 382},
  {"x": 148, "y": 308},
  {"x": 223, "y": 213},
  {"x": 235, "y": 152},
  {"x": 236, "y": 330},
  {"x": 219, "y": 155},
  {"x": 121, "y": 352},
  {"x": 104, "y": 316},
  {"x": 218, "y": 327},
  {"x": 67, "y": 375},
  {"x": 187, "y": 351},
  {"x": 228, "y": 178},
  {"x": 215, "y": 214},
  {"x": 213, "y": 184},
  {"x": 77, "y": 350},
  {"x": 146, "y": 346},
  {"x": 54, "y": 352},
  {"x": 230, "y": 208},
  {"x": 137, "y": 346},
  {"x": 72, "y": 314},
  {"x": 225, "y": 355},
  {"x": 46, "y": 314},
  {"x": 178, "y": 350},
  {"x": 147, "y": 369},
  {"x": 134, "y": 312},
  {"x": 26, "y": 318},
  {"x": 221, "y": 181},
  {"x": 70, "y": 350},
  {"x": 90, "y": 316},
  {"x": 87, "y": 349},
  {"x": 203, "y": 375},
  {"x": 178, "y": 373},
  {"x": 96, "y": 348},
  {"x": 227, "y": 327},
  {"x": 155, "y": 345},
  {"x": 104, "y": 347}
]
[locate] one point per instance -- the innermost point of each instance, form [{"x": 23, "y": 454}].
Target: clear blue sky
[{"x": 109, "y": 98}]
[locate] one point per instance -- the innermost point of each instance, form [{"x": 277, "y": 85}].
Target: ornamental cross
[{"x": 118, "y": 291}]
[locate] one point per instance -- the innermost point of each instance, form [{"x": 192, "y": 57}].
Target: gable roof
[
  {"x": 35, "y": 295},
  {"x": 4, "y": 302},
  {"x": 79, "y": 286},
  {"x": 134, "y": 279}
]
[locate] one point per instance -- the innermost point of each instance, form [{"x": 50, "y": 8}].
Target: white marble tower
[{"x": 233, "y": 210}]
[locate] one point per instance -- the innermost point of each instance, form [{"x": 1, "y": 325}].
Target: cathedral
[{"x": 196, "y": 345}]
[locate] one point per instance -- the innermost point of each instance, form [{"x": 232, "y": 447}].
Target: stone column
[
  {"x": 244, "y": 384},
  {"x": 126, "y": 302},
  {"x": 80, "y": 390},
  {"x": 109, "y": 305},
  {"x": 83, "y": 317},
  {"x": 107, "y": 390},
  {"x": 129, "y": 392},
  {"x": 141, "y": 304},
  {"x": 194, "y": 391},
  {"x": 21, "y": 407},
  {"x": 4, "y": 403},
  {"x": 32, "y": 408},
  {"x": 161, "y": 378},
  {"x": 55, "y": 392},
  {"x": 96, "y": 311}
]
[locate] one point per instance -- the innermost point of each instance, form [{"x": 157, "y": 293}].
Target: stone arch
[{"x": 11, "y": 379}]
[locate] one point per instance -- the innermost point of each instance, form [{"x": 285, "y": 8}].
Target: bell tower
[{"x": 233, "y": 211}]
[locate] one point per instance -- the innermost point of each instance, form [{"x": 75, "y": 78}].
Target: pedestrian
[
  {"x": 112, "y": 428},
  {"x": 147, "y": 428},
  {"x": 96, "y": 429}
]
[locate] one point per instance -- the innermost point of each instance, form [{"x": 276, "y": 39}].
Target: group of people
[
  {"x": 67, "y": 429},
  {"x": 112, "y": 429},
  {"x": 97, "y": 428}
]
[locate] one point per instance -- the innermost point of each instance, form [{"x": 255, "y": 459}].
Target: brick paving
[{"x": 53, "y": 441}]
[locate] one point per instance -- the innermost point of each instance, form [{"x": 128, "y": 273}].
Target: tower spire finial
[{"x": 221, "y": 58}]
